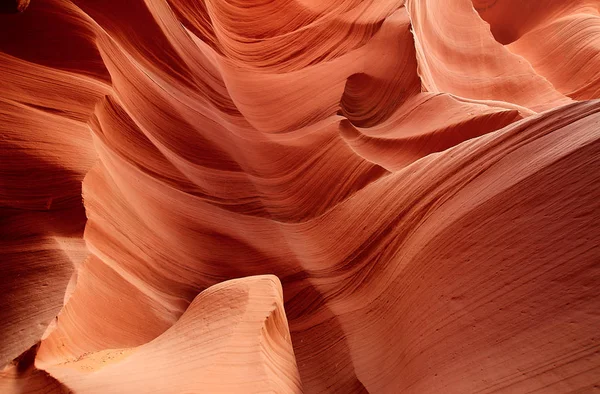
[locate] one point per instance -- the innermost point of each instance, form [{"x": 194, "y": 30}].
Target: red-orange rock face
[{"x": 289, "y": 196}]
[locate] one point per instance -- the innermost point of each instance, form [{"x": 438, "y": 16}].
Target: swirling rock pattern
[{"x": 300, "y": 196}]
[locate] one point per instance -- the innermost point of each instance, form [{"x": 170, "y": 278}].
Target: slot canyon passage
[{"x": 299, "y": 196}]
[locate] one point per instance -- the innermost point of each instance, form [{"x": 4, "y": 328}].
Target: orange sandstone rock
[{"x": 300, "y": 196}]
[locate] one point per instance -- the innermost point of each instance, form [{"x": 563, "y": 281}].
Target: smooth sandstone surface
[{"x": 288, "y": 196}]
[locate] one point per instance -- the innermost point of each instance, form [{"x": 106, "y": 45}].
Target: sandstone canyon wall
[{"x": 289, "y": 196}]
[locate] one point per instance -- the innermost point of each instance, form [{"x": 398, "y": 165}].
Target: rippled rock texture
[{"x": 288, "y": 196}]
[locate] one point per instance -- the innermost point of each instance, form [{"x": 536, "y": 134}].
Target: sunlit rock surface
[{"x": 289, "y": 196}]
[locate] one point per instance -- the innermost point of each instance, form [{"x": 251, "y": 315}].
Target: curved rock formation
[
  {"x": 300, "y": 196},
  {"x": 232, "y": 337}
]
